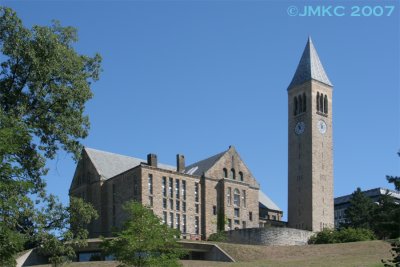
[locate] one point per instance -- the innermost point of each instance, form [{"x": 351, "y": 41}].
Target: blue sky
[{"x": 194, "y": 77}]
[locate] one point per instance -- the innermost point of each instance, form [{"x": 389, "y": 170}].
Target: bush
[
  {"x": 217, "y": 237},
  {"x": 344, "y": 235}
]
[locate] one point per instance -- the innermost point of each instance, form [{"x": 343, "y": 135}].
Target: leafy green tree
[
  {"x": 361, "y": 210},
  {"x": 394, "y": 179},
  {"x": 44, "y": 85},
  {"x": 386, "y": 222},
  {"x": 144, "y": 240},
  {"x": 343, "y": 235}
]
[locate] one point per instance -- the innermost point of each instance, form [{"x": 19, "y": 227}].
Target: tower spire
[{"x": 310, "y": 67}]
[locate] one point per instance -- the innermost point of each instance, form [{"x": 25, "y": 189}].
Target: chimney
[
  {"x": 152, "y": 160},
  {"x": 180, "y": 163}
]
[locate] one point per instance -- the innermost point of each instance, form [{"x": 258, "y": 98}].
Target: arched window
[
  {"x": 225, "y": 173},
  {"x": 241, "y": 176},
  {"x": 236, "y": 197},
  {"x": 295, "y": 106},
  {"x": 321, "y": 103},
  {"x": 326, "y": 104},
  {"x": 300, "y": 105},
  {"x": 304, "y": 102},
  {"x": 317, "y": 101},
  {"x": 233, "y": 174}
]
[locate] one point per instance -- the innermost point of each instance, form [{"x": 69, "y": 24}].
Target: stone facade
[
  {"x": 218, "y": 193},
  {"x": 310, "y": 172}
]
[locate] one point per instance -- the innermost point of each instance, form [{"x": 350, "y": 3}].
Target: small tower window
[
  {"x": 295, "y": 106},
  {"x": 326, "y": 104},
  {"x": 304, "y": 102},
  {"x": 225, "y": 173},
  {"x": 233, "y": 174},
  {"x": 321, "y": 103},
  {"x": 300, "y": 104},
  {"x": 317, "y": 101}
]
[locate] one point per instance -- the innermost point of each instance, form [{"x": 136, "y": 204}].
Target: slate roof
[
  {"x": 372, "y": 193},
  {"x": 309, "y": 68},
  {"x": 198, "y": 168},
  {"x": 264, "y": 200},
  {"x": 110, "y": 164}
]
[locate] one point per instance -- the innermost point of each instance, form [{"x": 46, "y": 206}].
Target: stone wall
[{"x": 273, "y": 236}]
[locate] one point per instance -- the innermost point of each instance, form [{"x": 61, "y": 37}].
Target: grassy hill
[{"x": 368, "y": 254}]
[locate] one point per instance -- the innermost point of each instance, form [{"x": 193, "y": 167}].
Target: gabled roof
[
  {"x": 309, "y": 68},
  {"x": 264, "y": 200},
  {"x": 110, "y": 164},
  {"x": 200, "y": 167}
]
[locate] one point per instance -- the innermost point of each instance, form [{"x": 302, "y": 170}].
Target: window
[
  {"x": 317, "y": 101},
  {"x": 184, "y": 206},
  {"x": 233, "y": 174},
  {"x": 236, "y": 222},
  {"x": 244, "y": 197},
  {"x": 184, "y": 223},
  {"x": 214, "y": 210},
  {"x": 300, "y": 104},
  {"x": 164, "y": 217},
  {"x": 196, "y": 192},
  {"x": 304, "y": 103},
  {"x": 178, "y": 205},
  {"x": 171, "y": 204},
  {"x": 150, "y": 201},
  {"x": 250, "y": 216},
  {"x": 178, "y": 221},
  {"x": 321, "y": 103},
  {"x": 164, "y": 186},
  {"x": 171, "y": 181},
  {"x": 236, "y": 197},
  {"x": 241, "y": 176},
  {"x": 237, "y": 212},
  {"x": 243, "y": 224},
  {"x": 229, "y": 224},
  {"x": 196, "y": 206},
  {"x": 225, "y": 173},
  {"x": 295, "y": 106},
  {"x": 171, "y": 219},
  {"x": 325, "y": 104},
  {"x": 184, "y": 190},
  {"x": 164, "y": 203},
  {"x": 196, "y": 225},
  {"x": 228, "y": 196},
  {"x": 274, "y": 217},
  {"x": 177, "y": 188},
  {"x": 150, "y": 183}
]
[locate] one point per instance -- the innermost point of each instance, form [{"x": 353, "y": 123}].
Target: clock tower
[{"x": 310, "y": 158}]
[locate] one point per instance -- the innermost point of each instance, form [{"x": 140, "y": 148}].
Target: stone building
[
  {"x": 195, "y": 199},
  {"x": 310, "y": 144}
]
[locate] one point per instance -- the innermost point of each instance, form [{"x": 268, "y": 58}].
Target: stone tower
[{"x": 310, "y": 170}]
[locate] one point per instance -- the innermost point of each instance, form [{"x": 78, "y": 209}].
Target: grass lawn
[{"x": 357, "y": 254}]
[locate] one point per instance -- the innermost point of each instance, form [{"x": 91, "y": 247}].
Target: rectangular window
[
  {"x": 214, "y": 210},
  {"x": 196, "y": 207},
  {"x": 229, "y": 224},
  {"x": 164, "y": 186},
  {"x": 243, "y": 224},
  {"x": 184, "y": 190},
  {"x": 237, "y": 222},
  {"x": 184, "y": 206},
  {"x": 244, "y": 198},
  {"x": 150, "y": 183},
  {"x": 178, "y": 205},
  {"x": 177, "y": 188},
  {"x": 251, "y": 216},
  {"x": 171, "y": 219},
  {"x": 196, "y": 225},
  {"x": 178, "y": 221},
  {"x": 164, "y": 203},
  {"x": 171, "y": 204},
  {"x": 237, "y": 212},
  {"x": 165, "y": 217},
  {"x": 170, "y": 187},
  {"x": 184, "y": 223},
  {"x": 196, "y": 192},
  {"x": 150, "y": 201},
  {"x": 228, "y": 196}
]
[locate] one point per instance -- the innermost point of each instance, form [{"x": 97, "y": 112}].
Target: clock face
[
  {"x": 299, "y": 128},
  {"x": 321, "y": 126}
]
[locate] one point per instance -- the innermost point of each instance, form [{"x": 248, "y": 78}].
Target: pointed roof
[
  {"x": 309, "y": 68},
  {"x": 265, "y": 202},
  {"x": 110, "y": 164},
  {"x": 200, "y": 167}
]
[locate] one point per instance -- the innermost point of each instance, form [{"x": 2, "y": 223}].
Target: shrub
[
  {"x": 344, "y": 235},
  {"x": 217, "y": 237}
]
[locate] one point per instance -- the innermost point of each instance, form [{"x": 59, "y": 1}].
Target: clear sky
[{"x": 194, "y": 77}]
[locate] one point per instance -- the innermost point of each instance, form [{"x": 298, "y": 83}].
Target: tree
[
  {"x": 386, "y": 223},
  {"x": 394, "y": 179},
  {"x": 360, "y": 212},
  {"x": 144, "y": 240},
  {"x": 44, "y": 85}
]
